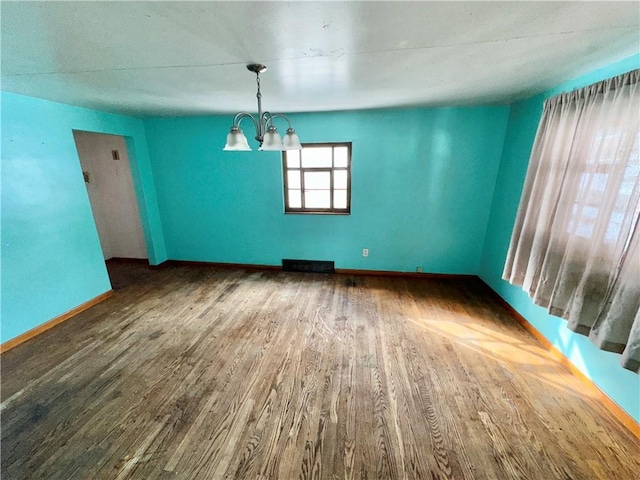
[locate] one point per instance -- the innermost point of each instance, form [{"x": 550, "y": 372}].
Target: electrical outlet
[
  {"x": 365, "y": 252},
  {"x": 419, "y": 269}
]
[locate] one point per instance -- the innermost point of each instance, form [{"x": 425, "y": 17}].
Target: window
[
  {"x": 317, "y": 179},
  {"x": 575, "y": 245}
]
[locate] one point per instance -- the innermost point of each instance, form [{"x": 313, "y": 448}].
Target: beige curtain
[{"x": 574, "y": 247}]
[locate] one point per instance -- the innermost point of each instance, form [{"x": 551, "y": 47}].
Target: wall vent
[{"x": 310, "y": 266}]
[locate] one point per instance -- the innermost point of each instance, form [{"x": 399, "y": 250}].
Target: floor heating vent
[{"x": 312, "y": 266}]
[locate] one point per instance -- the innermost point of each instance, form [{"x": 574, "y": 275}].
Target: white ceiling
[{"x": 185, "y": 58}]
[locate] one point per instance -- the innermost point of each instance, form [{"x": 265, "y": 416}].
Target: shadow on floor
[{"x": 124, "y": 272}]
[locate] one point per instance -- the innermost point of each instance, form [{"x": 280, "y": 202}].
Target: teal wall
[
  {"x": 51, "y": 259},
  {"x": 422, "y": 184},
  {"x": 603, "y": 368}
]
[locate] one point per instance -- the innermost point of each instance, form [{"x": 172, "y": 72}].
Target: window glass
[
  {"x": 339, "y": 199},
  {"x": 317, "y": 180},
  {"x": 293, "y": 159},
  {"x": 340, "y": 179},
  {"x": 317, "y": 198},
  {"x": 340, "y": 156},
  {"x": 295, "y": 198},
  {"x": 317, "y": 157},
  {"x": 293, "y": 179}
]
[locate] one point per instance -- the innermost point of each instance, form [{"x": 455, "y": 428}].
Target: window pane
[
  {"x": 613, "y": 228},
  {"x": 340, "y": 179},
  {"x": 293, "y": 158},
  {"x": 295, "y": 199},
  {"x": 317, "y": 198},
  {"x": 339, "y": 199},
  {"x": 293, "y": 179},
  {"x": 316, "y": 157},
  {"x": 317, "y": 180},
  {"x": 586, "y": 220},
  {"x": 340, "y": 156}
]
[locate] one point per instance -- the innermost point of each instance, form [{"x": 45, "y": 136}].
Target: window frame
[{"x": 318, "y": 211}]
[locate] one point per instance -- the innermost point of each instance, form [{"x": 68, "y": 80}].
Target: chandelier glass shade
[{"x": 266, "y": 133}]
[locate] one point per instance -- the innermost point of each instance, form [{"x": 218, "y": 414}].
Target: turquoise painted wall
[
  {"x": 51, "y": 259},
  {"x": 422, "y": 184},
  {"x": 603, "y": 368}
]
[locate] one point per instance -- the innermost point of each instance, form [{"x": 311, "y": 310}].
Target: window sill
[{"x": 318, "y": 213}]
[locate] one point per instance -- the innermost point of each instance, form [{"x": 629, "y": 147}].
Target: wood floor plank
[{"x": 193, "y": 372}]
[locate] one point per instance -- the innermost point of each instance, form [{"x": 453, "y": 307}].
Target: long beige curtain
[{"x": 575, "y": 244}]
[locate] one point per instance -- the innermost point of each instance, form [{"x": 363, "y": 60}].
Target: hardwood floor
[{"x": 204, "y": 373}]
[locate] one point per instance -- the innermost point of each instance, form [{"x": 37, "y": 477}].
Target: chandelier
[{"x": 266, "y": 132}]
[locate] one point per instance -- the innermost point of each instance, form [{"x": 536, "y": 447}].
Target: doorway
[{"x": 107, "y": 176}]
